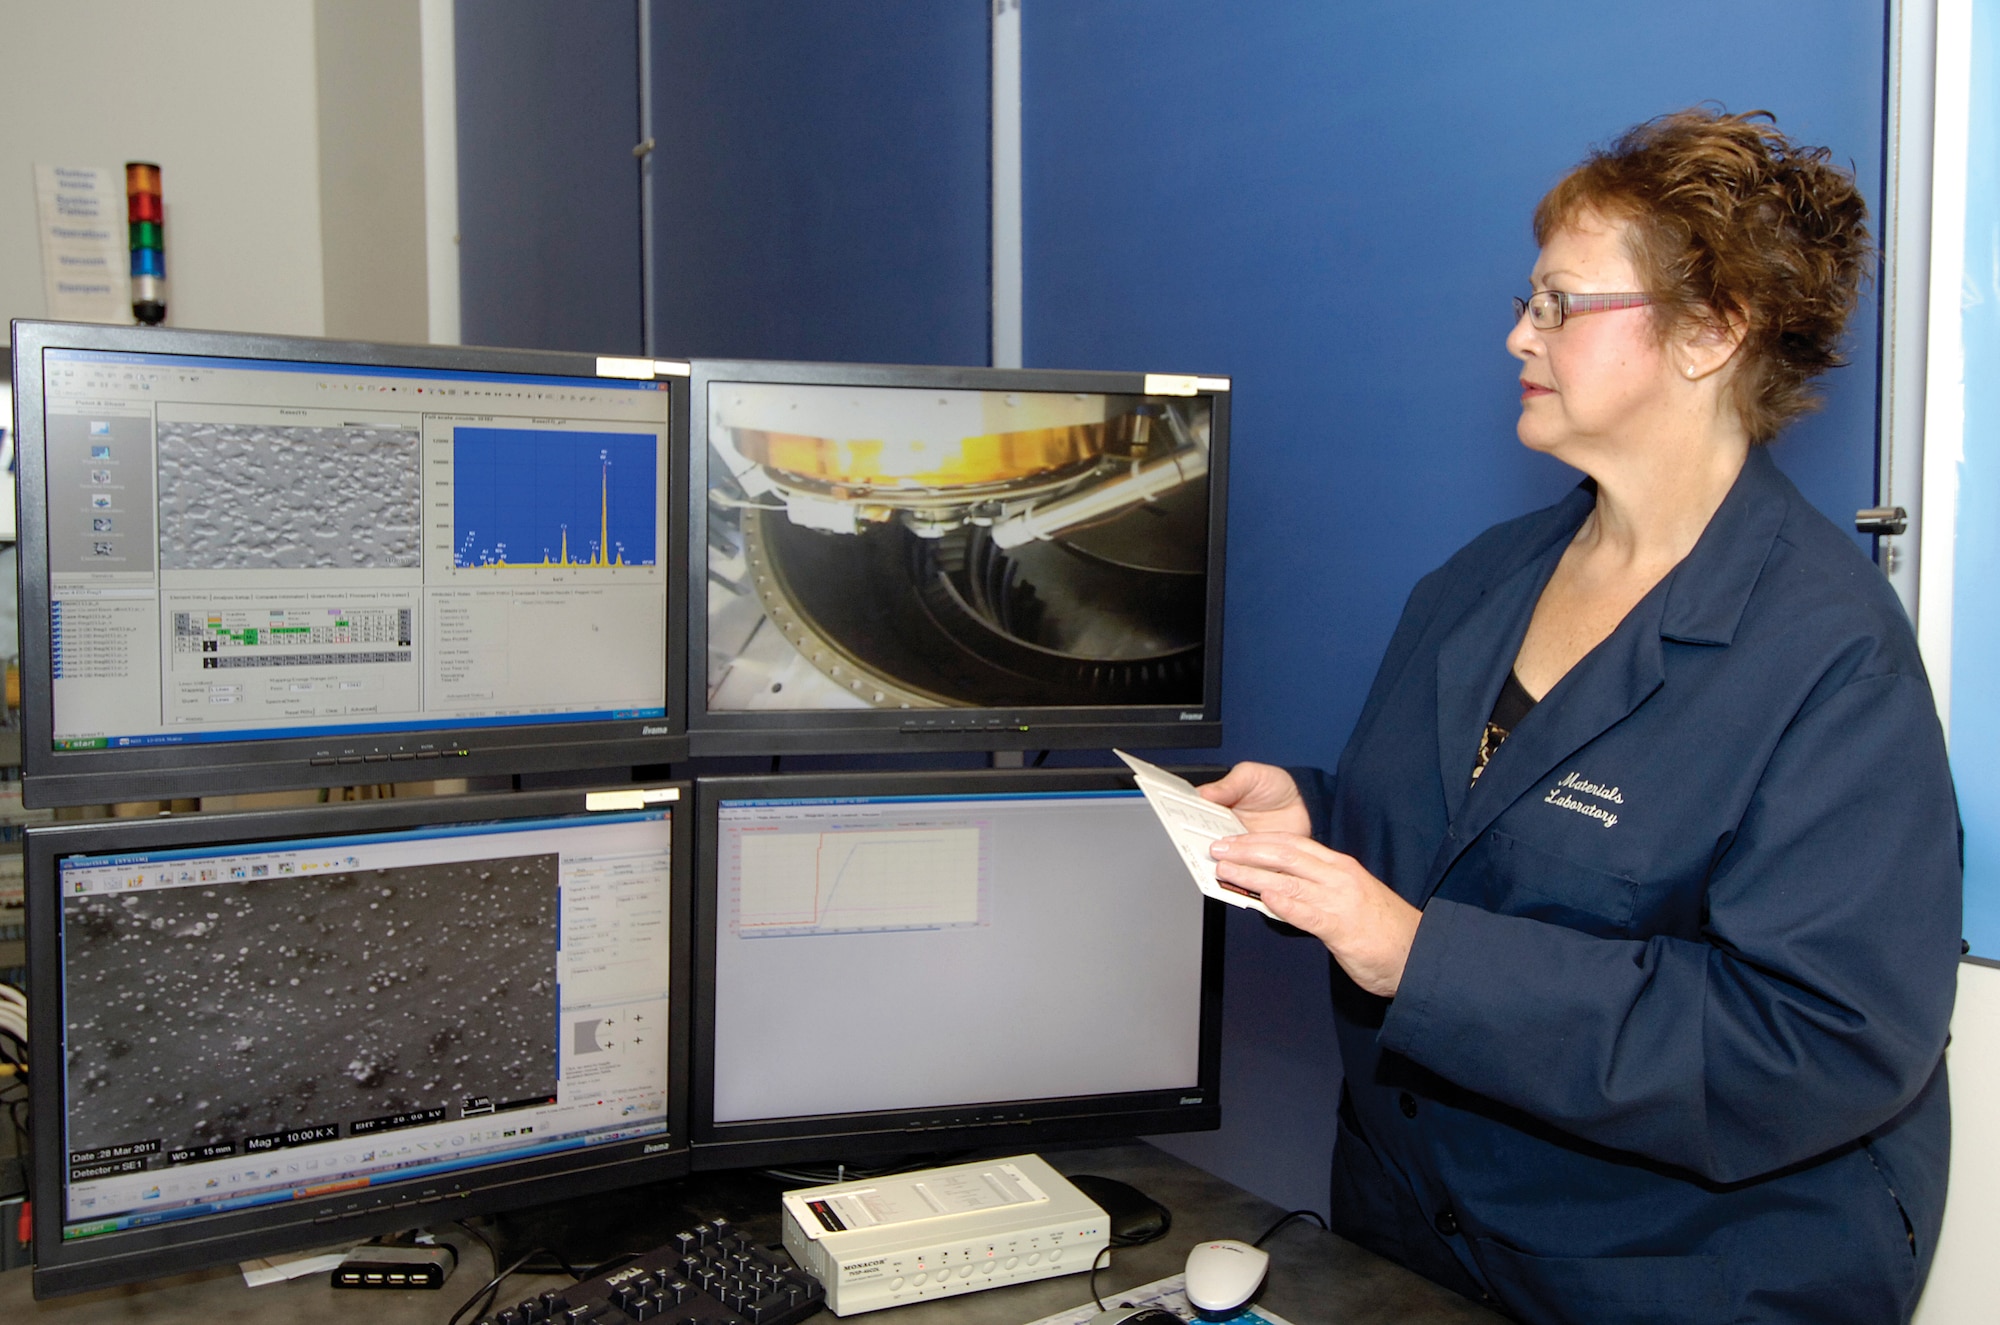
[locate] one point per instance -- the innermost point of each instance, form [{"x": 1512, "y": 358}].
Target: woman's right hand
[{"x": 1264, "y": 797}]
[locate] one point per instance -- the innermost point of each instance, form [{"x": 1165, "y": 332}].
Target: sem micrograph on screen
[
  {"x": 200, "y": 1015},
  {"x": 236, "y": 496}
]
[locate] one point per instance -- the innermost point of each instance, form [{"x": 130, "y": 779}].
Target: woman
[{"x": 1640, "y": 869}]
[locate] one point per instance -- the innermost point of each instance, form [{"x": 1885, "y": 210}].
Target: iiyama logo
[
  {"x": 655, "y": 731},
  {"x": 655, "y": 1147},
  {"x": 1190, "y": 717},
  {"x": 1190, "y": 1099}
]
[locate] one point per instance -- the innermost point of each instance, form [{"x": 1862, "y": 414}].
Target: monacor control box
[{"x": 941, "y": 1232}]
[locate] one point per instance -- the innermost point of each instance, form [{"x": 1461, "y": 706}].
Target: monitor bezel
[
  {"x": 878, "y": 731},
  {"x": 904, "y": 1132},
  {"x": 171, "y": 1248},
  {"x": 162, "y": 772}
]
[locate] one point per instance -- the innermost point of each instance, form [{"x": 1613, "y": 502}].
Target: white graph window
[{"x": 847, "y": 881}]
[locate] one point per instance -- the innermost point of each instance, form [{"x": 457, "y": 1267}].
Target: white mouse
[{"x": 1223, "y": 1276}]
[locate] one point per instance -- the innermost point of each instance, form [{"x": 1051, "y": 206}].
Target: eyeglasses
[{"x": 1547, "y": 309}]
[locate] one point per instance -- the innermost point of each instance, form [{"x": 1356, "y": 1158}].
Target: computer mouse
[
  {"x": 1223, "y": 1276},
  {"x": 1136, "y": 1316}
]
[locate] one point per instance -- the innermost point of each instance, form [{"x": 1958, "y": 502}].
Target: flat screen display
[
  {"x": 255, "y": 1032},
  {"x": 951, "y": 558},
  {"x": 1022, "y": 951},
  {"x": 276, "y": 561}
]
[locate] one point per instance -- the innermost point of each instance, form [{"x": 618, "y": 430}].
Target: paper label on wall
[{"x": 85, "y": 254}]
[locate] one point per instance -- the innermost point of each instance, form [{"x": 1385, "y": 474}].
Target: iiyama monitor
[
  {"x": 918, "y": 559},
  {"x": 262, "y": 1032},
  {"x": 905, "y": 963},
  {"x": 252, "y": 562}
]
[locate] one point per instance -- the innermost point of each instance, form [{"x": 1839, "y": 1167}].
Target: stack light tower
[{"x": 145, "y": 210}]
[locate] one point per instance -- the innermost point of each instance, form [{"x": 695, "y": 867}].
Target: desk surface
[{"x": 1316, "y": 1278}]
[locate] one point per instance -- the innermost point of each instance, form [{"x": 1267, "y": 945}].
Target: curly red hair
[{"x": 1729, "y": 219}]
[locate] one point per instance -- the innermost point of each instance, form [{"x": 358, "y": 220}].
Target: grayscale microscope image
[
  {"x": 198, "y": 1014},
  {"x": 257, "y": 497}
]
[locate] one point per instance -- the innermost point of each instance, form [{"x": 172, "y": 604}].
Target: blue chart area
[{"x": 528, "y": 497}]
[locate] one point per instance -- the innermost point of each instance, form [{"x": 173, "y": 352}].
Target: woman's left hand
[{"x": 1364, "y": 924}]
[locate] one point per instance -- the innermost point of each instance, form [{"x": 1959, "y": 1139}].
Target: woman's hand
[
  {"x": 1264, "y": 797},
  {"x": 1363, "y": 923}
]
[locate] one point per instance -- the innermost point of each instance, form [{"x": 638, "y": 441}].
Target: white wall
[
  {"x": 307, "y": 147},
  {"x": 221, "y": 93},
  {"x": 438, "y": 20},
  {"x": 369, "y": 57},
  {"x": 1965, "y": 1279}
]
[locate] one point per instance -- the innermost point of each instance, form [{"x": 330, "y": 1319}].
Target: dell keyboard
[{"x": 707, "y": 1275}]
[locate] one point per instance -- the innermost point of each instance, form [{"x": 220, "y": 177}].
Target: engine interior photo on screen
[{"x": 885, "y": 547}]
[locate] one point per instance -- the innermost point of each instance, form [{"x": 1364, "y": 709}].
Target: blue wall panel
[
  {"x": 1331, "y": 204},
  {"x": 821, "y": 184},
  {"x": 548, "y": 190}
]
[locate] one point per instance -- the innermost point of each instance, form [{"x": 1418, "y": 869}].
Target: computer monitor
[
  {"x": 255, "y": 562},
  {"x": 255, "y": 1033},
  {"x": 894, "y": 964},
  {"x": 923, "y": 559}
]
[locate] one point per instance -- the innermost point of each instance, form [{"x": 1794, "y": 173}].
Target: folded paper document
[{"x": 1191, "y": 824}]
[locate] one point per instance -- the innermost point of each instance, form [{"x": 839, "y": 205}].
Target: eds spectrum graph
[{"x": 535, "y": 497}]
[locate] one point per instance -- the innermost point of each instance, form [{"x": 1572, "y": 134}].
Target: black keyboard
[{"x": 707, "y": 1275}]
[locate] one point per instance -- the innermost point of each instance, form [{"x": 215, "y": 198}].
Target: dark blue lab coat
[{"x": 1669, "y": 1044}]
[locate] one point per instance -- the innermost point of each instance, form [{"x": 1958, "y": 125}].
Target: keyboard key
[{"x": 709, "y": 1275}]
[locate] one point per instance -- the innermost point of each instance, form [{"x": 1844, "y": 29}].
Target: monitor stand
[{"x": 593, "y": 1230}]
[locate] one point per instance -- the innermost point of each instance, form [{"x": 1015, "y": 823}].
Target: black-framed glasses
[{"x": 1547, "y": 309}]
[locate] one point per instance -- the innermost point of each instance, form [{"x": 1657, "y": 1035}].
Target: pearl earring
[{"x": 1690, "y": 370}]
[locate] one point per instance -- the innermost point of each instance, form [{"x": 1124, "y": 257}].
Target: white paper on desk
[
  {"x": 1191, "y": 823},
  {"x": 86, "y": 263},
  {"x": 277, "y": 1269},
  {"x": 1170, "y": 1294},
  {"x": 905, "y": 1199}
]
